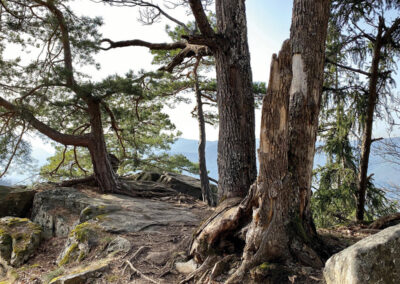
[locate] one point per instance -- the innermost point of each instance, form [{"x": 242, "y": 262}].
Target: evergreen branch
[
  {"x": 388, "y": 34},
  {"x": 189, "y": 51},
  {"x": 348, "y": 68},
  {"x": 14, "y": 151},
  {"x": 57, "y": 136}
]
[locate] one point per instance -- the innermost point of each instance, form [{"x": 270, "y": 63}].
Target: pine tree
[
  {"x": 44, "y": 91},
  {"x": 369, "y": 38}
]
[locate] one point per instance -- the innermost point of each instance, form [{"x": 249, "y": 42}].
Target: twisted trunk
[{"x": 102, "y": 168}]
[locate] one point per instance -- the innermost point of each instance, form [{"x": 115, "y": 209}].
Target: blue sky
[{"x": 268, "y": 27}]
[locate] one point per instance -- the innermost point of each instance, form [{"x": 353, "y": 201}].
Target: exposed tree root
[{"x": 138, "y": 272}]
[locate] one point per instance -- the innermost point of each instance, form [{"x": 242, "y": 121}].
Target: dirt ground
[{"x": 154, "y": 252}]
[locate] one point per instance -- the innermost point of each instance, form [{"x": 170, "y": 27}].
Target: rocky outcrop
[
  {"x": 58, "y": 210},
  {"x": 19, "y": 238},
  {"x": 15, "y": 201},
  {"x": 374, "y": 259},
  {"x": 181, "y": 183},
  {"x": 81, "y": 240},
  {"x": 95, "y": 221}
]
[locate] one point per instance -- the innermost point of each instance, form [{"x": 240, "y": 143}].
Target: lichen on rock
[{"x": 19, "y": 238}]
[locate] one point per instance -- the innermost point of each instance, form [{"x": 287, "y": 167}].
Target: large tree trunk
[
  {"x": 278, "y": 204},
  {"x": 236, "y": 143},
  {"x": 308, "y": 35},
  {"x": 102, "y": 168},
  {"x": 204, "y": 181},
  {"x": 367, "y": 128}
]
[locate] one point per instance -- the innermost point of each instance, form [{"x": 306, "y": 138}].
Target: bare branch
[
  {"x": 150, "y": 5},
  {"x": 77, "y": 162},
  {"x": 138, "y": 42},
  {"x": 61, "y": 162},
  {"x": 201, "y": 18},
  {"x": 189, "y": 51}
]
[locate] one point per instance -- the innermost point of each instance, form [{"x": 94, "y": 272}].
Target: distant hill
[{"x": 384, "y": 172}]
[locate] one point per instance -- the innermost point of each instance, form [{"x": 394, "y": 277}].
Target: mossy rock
[
  {"x": 97, "y": 211},
  {"x": 84, "y": 238},
  {"x": 83, "y": 274},
  {"x": 19, "y": 238}
]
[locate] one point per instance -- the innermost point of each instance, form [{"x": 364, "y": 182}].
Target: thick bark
[
  {"x": 280, "y": 228},
  {"x": 367, "y": 127},
  {"x": 236, "y": 143},
  {"x": 102, "y": 168},
  {"x": 204, "y": 181},
  {"x": 307, "y": 35}
]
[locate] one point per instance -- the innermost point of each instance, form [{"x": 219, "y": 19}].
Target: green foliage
[
  {"x": 342, "y": 116},
  {"x": 38, "y": 81}
]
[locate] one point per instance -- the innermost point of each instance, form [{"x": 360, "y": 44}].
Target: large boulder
[
  {"x": 375, "y": 259},
  {"x": 15, "y": 201},
  {"x": 19, "y": 238},
  {"x": 58, "y": 210}
]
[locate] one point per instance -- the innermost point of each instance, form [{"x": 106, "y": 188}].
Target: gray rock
[
  {"x": 119, "y": 244},
  {"x": 19, "y": 239},
  {"x": 15, "y": 201},
  {"x": 61, "y": 209},
  {"x": 186, "y": 267},
  {"x": 85, "y": 275},
  {"x": 81, "y": 240},
  {"x": 180, "y": 183},
  {"x": 58, "y": 210},
  {"x": 375, "y": 259}
]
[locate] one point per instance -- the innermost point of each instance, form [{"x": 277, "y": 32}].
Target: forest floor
[{"x": 154, "y": 253}]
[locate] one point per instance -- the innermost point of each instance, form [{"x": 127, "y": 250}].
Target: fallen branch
[{"x": 141, "y": 274}]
